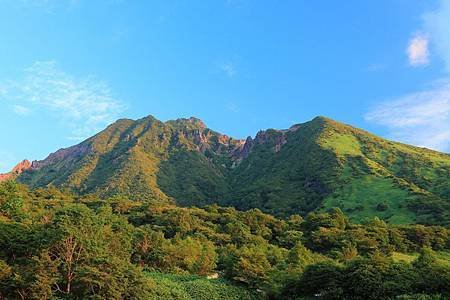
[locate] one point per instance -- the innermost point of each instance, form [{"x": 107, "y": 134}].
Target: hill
[{"x": 311, "y": 166}]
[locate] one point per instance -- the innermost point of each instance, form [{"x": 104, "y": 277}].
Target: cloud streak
[
  {"x": 21, "y": 110},
  {"x": 437, "y": 25},
  {"x": 417, "y": 51},
  {"x": 85, "y": 105},
  {"x": 421, "y": 118}
]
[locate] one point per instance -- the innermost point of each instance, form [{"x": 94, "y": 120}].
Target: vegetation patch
[{"x": 370, "y": 196}]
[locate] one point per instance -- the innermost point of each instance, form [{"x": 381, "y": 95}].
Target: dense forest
[{"x": 56, "y": 245}]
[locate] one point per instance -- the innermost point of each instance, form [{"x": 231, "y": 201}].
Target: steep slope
[
  {"x": 323, "y": 163},
  {"x": 138, "y": 159},
  {"x": 311, "y": 166},
  {"x": 285, "y": 171},
  {"x": 387, "y": 178}
]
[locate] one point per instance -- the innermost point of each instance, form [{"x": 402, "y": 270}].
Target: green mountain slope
[
  {"x": 311, "y": 166},
  {"x": 138, "y": 159},
  {"x": 323, "y": 163}
]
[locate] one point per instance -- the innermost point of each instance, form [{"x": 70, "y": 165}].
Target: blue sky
[{"x": 70, "y": 67}]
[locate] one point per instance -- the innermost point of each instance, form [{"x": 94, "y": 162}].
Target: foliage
[
  {"x": 59, "y": 245},
  {"x": 195, "y": 287}
]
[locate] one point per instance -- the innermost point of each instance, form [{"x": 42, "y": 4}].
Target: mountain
[
  {"x": 311, "y": 166},
  {"x": 144, "y": 160}
]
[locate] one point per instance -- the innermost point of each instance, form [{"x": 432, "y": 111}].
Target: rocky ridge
[{"x": 17, "y": 170}]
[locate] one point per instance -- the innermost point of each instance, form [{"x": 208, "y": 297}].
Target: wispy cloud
[
  {"x": 421, "y": 118},
  {"x": 229, "y": 68},
  {"x": 85, "y": 105},
  {"x": 437, "y": 25},
  {"x": 21, "y": 110},
  {"x": 417, "y": 51}
]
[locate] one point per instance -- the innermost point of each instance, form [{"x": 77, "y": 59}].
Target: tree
[
  {"x": 252, "y": 266},
  {"x": 192, "y": 255},
  {"x": 92, "y": 257},
  {"x": 319, "y": 280},
  {"x": 433, "y": 278},
  {"x": 11, "y": 202}
]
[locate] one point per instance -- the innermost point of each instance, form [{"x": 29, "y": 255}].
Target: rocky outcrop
[
  {"x": 17, "y": 170},
  {"x": 66, "y": 154},
  {"x": 274, "y": 138},
  {"x": 243, "y": 150},
  {"x": 4, "y": 177},
  {"x": 206, "y": 139},
  {"x": 22, "y": 166}
]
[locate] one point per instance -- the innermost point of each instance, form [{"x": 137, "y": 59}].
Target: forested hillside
[
  {"x": 55, "y": 245},
  {"x": 309, "y": 167}
]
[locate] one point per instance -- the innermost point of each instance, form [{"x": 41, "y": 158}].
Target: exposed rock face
[
  {"x": 17, "y": 170},
  {"x": 62, "y": 154},
  {"x": 275, "y": 138},
  {"x": 194, "y": 131},
  {"x": 4, "y": 177},
  {"x": 22, "y": 166},
  {"x": 206, "y": 139},
  {"x": 243, "y": 149}
]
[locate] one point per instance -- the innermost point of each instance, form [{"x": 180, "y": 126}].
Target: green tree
[
  {"x": 11, "y": 201},
  {"x": 322, "y": 280},
  {"x": 93, "y": 254},
  {"x": 252, "y": 266}
]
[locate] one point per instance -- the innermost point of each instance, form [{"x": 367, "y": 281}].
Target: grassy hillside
[
  {"x": 442, "y": 258},
  {"x": 187, "y": 287},
  {"x": 323, "y": 164},
  {"x": 388, "y": 179}
]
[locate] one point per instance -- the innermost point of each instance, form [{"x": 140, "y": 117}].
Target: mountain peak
[
  {"x": 17, "y": 170},
  {"x": 191, "y": 122},
  {"x": 321, "y": 118},
  {"x": 22, "y": 166},
  {"x": 326, "y": 121}
]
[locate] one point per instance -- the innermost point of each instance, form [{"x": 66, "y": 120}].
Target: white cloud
[
  {"x": 418, "y": 53},
  {"x": 229, "y": 68},
  {"x": 421, "y": 118},
  {"x": 21, "y": 110},
  {"x": 437, "y": 25},
  {"x": 85, "y": 105}
]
